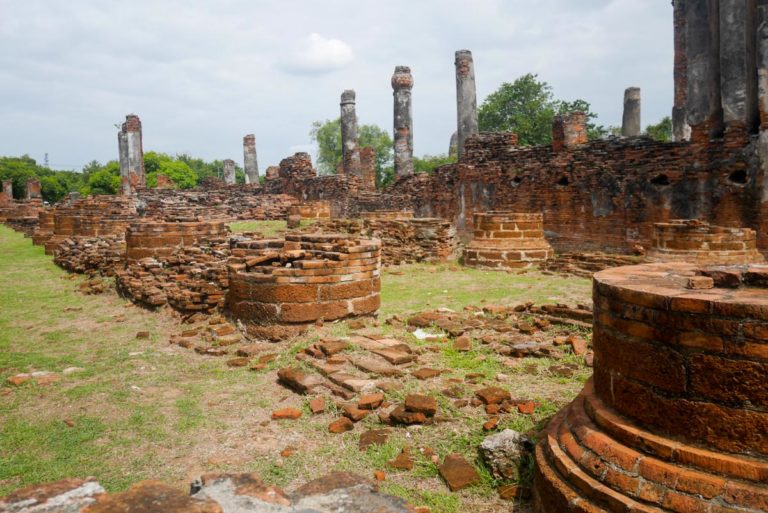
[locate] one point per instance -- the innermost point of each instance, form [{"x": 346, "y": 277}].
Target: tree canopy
[
  {"x": 327, "y": 135},
  {"x": 528, "y": 107},
  {"x": 661, "y": 131}
]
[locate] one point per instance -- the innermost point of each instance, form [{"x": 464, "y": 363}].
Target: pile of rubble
[
  {"x": 404, "y": 239},
  {"x": 92, "y": 256},
  {"x": 190, "y": 279}
]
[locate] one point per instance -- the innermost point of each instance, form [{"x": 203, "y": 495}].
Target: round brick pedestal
[
  {"x": 158, "y": 239},
  {"x": 507, "y": 240},
  {"x": 676, "y": 417},
  {"x": 278, "y": 288},
  {"x": 686, "y": 240}
]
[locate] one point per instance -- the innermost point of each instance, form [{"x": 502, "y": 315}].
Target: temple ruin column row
[
  {"x": 718, "y": 57},
  {"x": 131, "y": 154}
]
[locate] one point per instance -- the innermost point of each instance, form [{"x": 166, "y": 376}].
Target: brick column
[
  {"x": 466, "y": 98},
  {"x": 738, "y": 64},
  {"x": 569, "y": 131},
  {"x": 8, "y": 189},
  {"x": 229, "y": 172},
  {"x": 349, "y": 144},
  {"x": 131, "y": 152},
  {"x": 34, "y": 189},
  {"x": 250, "y": 162},
  {"x": 402, "y": 83},
  {"x": 630, "y": 122},
  {"x": 681, "y": 131}
]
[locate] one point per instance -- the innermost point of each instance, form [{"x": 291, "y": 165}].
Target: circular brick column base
[
  {"x": 507, "y": 240},
  {"x": 687, "y": 240},
  {"x": 676, "y": 416},
  {"x": 278, "y": 288}
]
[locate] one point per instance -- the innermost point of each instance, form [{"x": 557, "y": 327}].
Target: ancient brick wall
[
  {"x": 155, "y": 239},
  {"x": 605, "y": 195}
]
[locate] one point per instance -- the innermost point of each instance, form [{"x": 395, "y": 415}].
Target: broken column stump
[
  {"x": 690, "y": 240},
  {"x": 507, "y": 240},
  {"x": 279, "y": 287},
  {"x": 676, "y": 416}
]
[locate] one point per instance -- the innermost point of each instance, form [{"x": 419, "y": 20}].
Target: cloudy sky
[{"x": 201, "y": 74}]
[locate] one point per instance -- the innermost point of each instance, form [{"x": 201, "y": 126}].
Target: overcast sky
[{"x": 203, "y": 74}]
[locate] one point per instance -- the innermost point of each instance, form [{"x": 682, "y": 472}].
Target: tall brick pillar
[
  {"x": 402, "y": 83},
  {"x": 738, "y": 65},
  {"x": 349, "y": 145},
  {"x": 466, "y": 98},
  {"x": 8, "y": 189},
  {"x": 702, "y": 35},
  {"x": 368, "y": 168},
  {"x": 34, "y": 189},
  {"x": 131, "y": 154},
  {"x": 681, "y": 130},
  {"x": 250, "y": 162},
  {"x": 630, "y": 121},
  {"x": 569, "y": 131},
  {"x": 229, "y": 172}
]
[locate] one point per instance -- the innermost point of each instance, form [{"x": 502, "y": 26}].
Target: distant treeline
[{"x": 97, "y": 178}]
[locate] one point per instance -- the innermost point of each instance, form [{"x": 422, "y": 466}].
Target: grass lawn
[{"x": 143, "y": 409}]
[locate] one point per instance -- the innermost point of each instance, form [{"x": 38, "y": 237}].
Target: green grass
[
  {"x": 143, "y": 409},
  {"x": 416, "y": 287},
  {"x": 265, "y": 228}
]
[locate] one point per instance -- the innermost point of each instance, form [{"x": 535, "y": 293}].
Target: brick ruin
[
  {"x": 131, "y": 155},
  {"x": 404, "y": 239},
  {"x": 279, "y": 287},
  {"x": 701, "y": 243},
  {"x": 674, "y": 418},
  {"x": 507, "y": 240}
]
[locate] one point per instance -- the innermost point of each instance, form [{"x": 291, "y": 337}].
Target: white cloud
[{"x": 319, "y": 55}]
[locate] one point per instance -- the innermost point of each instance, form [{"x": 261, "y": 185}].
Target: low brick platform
[
  {"x": 387, "y": 215},
  {"x": 507, "y": 240},
  {"x": 280, "y": 287},
  {"x": 687, "y": 240},
  {"x": 676, "y": 417},
  {"x": 157, "y": 239},
  {"x": 404, "y": 239},
  {"x": 44, "y": 229},
  {"x": 320, "y": 209},
  {"x": 95, "y": 216}
]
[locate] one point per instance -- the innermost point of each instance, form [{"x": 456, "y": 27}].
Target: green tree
[
  {"x": 528, "y": 107},
  {"x": 428, "y": 163},
  {"x": 661, "y": 131},
  {"x": 102, "y": 182},
  {"x": 327, "y": 135}
]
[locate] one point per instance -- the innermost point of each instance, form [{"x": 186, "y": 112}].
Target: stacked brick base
[
  {"x": 677, "y": 417},
  {"x": 280, "y": 287},
  {"x": 699, "y": 242},
  {"x": 403, "y": 238},
  {"x": 507, "y": 240},
  {"x": 156, "y": 239}
]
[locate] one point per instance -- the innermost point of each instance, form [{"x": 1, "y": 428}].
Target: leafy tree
[
  {"x": 181, "y": 174},
  {"x": 428, "y": 163},
  {"x": 327, "y": 135},
  {"x": 528, "y": 107},
  {"x": 661, "y": 131},
  {"x": 103, "y": 181}
]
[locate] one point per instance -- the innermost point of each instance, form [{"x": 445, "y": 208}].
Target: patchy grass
[
  {"x": 145, "y": 409},
  {"x": 265, "y": 228},
  {"x": 412, "y": 288}
]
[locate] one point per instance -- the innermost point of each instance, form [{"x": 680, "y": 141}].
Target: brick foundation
[
  {"x": 403, "y": 238},
  {"x": 280, "y": 287},
  {"x": 699, "y": 242},
  {"x": 676, "y": 417},
  {"x": 155, "y": 239},
  {"x": 507, "y": 240},
  {"x": 320, "y": 209}
]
